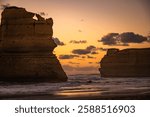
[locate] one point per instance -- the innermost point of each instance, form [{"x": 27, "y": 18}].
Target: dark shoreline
[
  {"x": 80, "y": 88},
  {"x": 107, "y": 96}
]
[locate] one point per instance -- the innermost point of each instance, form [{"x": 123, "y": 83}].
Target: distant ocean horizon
[{"x": 77, "y": 86}]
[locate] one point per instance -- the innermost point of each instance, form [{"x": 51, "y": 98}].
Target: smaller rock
[{"x": 89, "y": 81}]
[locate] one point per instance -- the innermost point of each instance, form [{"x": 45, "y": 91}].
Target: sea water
[{"x": 77, "y": 85}]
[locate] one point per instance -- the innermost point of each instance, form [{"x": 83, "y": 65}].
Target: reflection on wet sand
[
  {"x": 77, "y": 87},
  {"x": 78, "y": 93}
]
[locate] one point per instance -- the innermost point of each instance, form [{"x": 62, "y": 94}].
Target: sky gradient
[{"x": 80, "y": 24}]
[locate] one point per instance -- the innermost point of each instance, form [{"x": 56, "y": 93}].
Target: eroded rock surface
[
  {"x": 126, "y": 63},
  {"x": 26, "y": 47}
]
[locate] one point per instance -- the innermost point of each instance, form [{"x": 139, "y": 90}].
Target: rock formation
[
  {"x": 126, "y": 63},
  {"x": 26, "y": 47}
]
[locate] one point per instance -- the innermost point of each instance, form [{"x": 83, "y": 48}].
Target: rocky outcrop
[
  {"x": 26, "y": 47},
  {"x": 126, "y": 63}
]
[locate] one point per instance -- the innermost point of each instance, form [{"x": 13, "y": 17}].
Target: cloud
[
  {"x": 78, "y": 42},
  {"x": 91, "y": 47},
  {"x": 81, "y": 51},
  {"x": 77, "y": 68},
  {"x": 83, "y": 57},
  {"x": 67, "y": 56},
  {"x": 109, "y": 39},
  {"x": 130, "y": 37},
  {"x": 85, "y": 51},
  {"x": 42, "y": 13},
  {"x": 79, "y": 30},
  {"x": 74, "y": 63},
  {"x": 89, "y": 50},
  {"x": 3, "y": 6},
  {"x": 94, "y": 52},
  {"x": 90, "y": 57},
  {"x": 58, "y": 42},
  {"x": 102, "y": 49},
  {"x": 122, "y": 39}
]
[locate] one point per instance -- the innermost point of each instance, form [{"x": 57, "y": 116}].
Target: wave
[{"x": 80, "y": 84}]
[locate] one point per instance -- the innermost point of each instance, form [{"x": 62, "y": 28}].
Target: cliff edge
[
  {"x": 126, "y": 63},
  {"x": 26, "y": 48}
]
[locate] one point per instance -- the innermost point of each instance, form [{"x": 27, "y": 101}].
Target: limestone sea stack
[
  {"x": 126, "y": 63},
  {"x": 26, "y": 48}
]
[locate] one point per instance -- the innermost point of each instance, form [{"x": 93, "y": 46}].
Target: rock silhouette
[
  {"x": 126, "y": 63},
  {"x": 26, "y": 47}
]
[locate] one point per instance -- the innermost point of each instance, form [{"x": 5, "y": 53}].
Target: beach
[
  {"x": 80, "y": 87},
  {"x": 143, "y": 95}
]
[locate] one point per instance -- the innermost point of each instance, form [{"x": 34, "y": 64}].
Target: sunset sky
[{"x": 84, "y": 28}]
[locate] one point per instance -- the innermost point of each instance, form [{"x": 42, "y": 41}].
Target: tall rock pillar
[{"x": 26, "y": 48}]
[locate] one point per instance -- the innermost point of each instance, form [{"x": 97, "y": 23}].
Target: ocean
[{"x": 77, "y": 86}]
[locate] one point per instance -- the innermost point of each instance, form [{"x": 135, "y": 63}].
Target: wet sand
[
  {"x": 121, "y": 95},
  {"x": 78, "y": 87}
]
